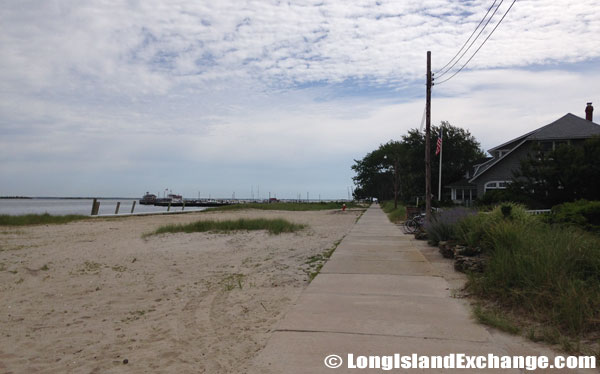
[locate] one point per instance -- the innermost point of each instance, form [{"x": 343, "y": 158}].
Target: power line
[
  {"x": 473, "y": 42},
  {"x": 423, "y": 119},
  {"x": 473, "y": 33},
  {"x": 486, "y": 39}
]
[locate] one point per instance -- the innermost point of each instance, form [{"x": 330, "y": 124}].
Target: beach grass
[
  {"x": 395, "y": 215},
  {"x": 551, "y": 274},
  {"x": 491, "y": 317},
  {"x": 273, "y": 226},
  {"x": 289, "y": 206},
  {"x": 38, "y": 219}
]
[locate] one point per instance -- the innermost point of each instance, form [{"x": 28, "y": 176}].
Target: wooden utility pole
[{"x": 427, "y": 141}]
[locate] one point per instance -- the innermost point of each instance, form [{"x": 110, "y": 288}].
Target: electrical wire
[
  {"x": 473, "y": 42},
  {"x": 423, "y": 118},
  {"x": 473, "y": 33},
  {"x": 486, "y": 39}
]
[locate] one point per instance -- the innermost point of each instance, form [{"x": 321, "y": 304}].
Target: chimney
[{"x": 589, "y": 109}]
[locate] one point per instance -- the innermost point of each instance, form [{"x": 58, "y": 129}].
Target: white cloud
[{"x": 113, "y": 85}]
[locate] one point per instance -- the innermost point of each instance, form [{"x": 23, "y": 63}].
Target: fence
[{"x": 539, "y": 211}]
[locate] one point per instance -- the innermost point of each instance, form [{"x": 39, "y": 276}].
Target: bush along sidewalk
[
  {"x": 395, "y": 215},
  {"x": 545, "y": 277}
]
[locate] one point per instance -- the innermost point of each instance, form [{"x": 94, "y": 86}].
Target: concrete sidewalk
[{"x": 377, "y": 295}]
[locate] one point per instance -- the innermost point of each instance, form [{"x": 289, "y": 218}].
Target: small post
[
  {"x": 93, "y": 207},
  {"x": 169, "y": 207},
  {"x": 96, "y": 208},
  {"x": 117, "y": 208},
  {"x": 182, "y": 204},
  {"x": 133, "y": 206}
]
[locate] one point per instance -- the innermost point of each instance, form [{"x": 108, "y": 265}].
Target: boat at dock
[
  {"x": 148, "y": 199},
  {"x": 172, "y": 199},
  {"x": 175, "y": 200}
]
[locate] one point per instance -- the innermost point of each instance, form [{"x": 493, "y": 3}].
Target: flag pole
[{"x": 441, "y": 151}]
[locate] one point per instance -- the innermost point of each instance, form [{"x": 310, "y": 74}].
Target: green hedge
[
  {"x": 551, "y": 273},
  {"x": 582, "y": 213}
]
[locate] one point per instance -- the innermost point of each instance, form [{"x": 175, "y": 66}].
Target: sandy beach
[{"x": 95, "y": 297}]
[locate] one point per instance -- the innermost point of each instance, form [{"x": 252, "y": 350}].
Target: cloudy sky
[{"x": 115, "y": 98}]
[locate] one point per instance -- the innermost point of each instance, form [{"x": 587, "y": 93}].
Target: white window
[{"x": 495, "y": 185}]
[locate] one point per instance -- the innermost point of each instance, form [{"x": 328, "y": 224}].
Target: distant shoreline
[{"x": 66, "y": 198}]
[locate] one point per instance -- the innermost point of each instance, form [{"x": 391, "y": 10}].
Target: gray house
[{"x": 496, "y": 172}]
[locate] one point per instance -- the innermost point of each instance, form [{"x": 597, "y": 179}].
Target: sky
[{"x": 215, "y": 98}]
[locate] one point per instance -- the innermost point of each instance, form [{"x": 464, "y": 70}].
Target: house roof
[
  {"x": 480, "y": 168},
  {"x": 463, "y": 183},
  {"x": 568, "y": 126},
  {"x": 493, "y": 162}
]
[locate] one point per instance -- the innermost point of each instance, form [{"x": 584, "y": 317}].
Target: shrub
[
  {"x": 395, "y": 215},
  {"x": 582, "y": 213},
  {"x": 443, "y": 225},
  {"x": 552, "y": 273},
  {"x": 474, "y": 231}
]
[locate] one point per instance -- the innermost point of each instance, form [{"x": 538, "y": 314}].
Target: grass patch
[
  {"x": 38, "y": 219},
  {"x": 395, "y": 215},
  {"x": 288, "y": 206},
  {"x": 315, "y": 263},
  {"x": 119, "y": 268},
  {"x": 552, "y": 274},
  {"x": 545, "y": 278},
  {"x": 232, "y": 281},
  {"x": 90, "y": 267},
  {"x": 273, "y": 226},
  {"x": 495, "y": 319}
]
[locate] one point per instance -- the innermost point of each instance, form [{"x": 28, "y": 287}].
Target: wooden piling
[
  {"x": 133, "y": 206},
  {"x": 95, "y": 207},
  {"x": 182, "y": 204},
  {"x": 169, "y": 207},
  {"x": 117, "y": 208}
]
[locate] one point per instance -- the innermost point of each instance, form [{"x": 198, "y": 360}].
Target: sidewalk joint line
[{"x": 383, "y": 335}]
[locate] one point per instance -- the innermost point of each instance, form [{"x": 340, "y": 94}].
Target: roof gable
[{"x": 568, "y": 126}]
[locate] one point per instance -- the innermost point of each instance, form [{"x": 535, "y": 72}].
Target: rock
[
  {"x": 467, "y": 264},
  {"x": 462, "y": 250},
  {"x": 125, "y": 361},
  {"x": 420, "y": 235},
  {"x": 446, "y": 250}
]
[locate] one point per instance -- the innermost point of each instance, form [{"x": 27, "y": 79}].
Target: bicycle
[{"x": 414, "y": 224}]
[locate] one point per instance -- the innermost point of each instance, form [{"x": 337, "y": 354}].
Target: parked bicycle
[
  {"x": 416, "y": 221},
  {"x": 414, "y": 224}
]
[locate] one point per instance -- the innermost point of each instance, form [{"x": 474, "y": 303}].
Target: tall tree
[
  {"x": 460, "y": 148},
  {"x": 378, "y": 174},
  {"x": 397, "y": 168}
]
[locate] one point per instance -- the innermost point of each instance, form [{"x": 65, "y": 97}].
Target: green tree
[
  {"x": 375, "y": 175},
  {"x": 378, "y": 174},
  {"x": 568, "y": 173},
  {"x": 460, "y": 151}
]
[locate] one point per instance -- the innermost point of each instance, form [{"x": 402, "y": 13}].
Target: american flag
[{"x": 439, "y": 146}]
